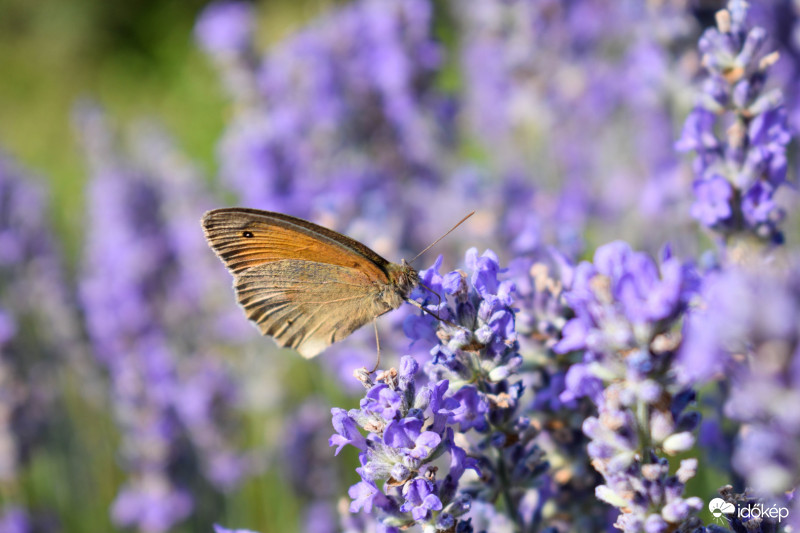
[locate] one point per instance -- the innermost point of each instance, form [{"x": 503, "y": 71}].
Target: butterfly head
[{"x": 403, "y": 277}]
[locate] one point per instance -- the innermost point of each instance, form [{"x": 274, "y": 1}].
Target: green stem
[
  {"x": 502, "y": 473},
  {"x": 643, "y": 423}
]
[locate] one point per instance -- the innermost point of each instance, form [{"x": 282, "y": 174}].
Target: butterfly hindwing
[{"x": 307, "y": 305}]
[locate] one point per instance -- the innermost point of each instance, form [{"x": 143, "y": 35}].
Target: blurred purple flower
[
  {"x": 746, "y": 331},
  {"x": 549, "y": 104},
  {"x": 151, "y": 505},
  {"x": 147, "y": 271},
  {"x": 623, "y": 301},
  {"x": 738, "y": 175},
  {"x": 627, "y": 310},
  {"x": 225, "y": 27},
  {"x": 15, "y": 520},
  {"x": 345, "y": 117},
  {"x": 713, "y": 197},
  {"x": 220, "y": 529},
  {"x": 39, "y": 341}
]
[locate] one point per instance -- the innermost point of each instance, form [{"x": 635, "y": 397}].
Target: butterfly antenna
[{"x": 442, "y": 237}]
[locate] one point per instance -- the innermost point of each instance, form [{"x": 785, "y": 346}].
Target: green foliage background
[{"x": 137, "y": 58}]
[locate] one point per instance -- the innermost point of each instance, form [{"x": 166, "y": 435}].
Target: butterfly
[{"x": 302, "y": 284}]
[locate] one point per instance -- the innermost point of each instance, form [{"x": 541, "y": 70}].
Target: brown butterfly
[{"x": 304, "y": 285}]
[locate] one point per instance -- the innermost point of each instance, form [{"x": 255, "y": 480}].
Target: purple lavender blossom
[
  {"x": 746, "y": 332},
  {"x": 345, "y": 109},
  {"x": 478, "y": 317},
  {"x": 307, "y": 465},
  {"x": 225, "y": 27},
  {"x": 548, "y": 104},
  {"x": 626, "y": 314},
  {"x": 225, "y": 30},
  {"x": 399, "y": 452},
  {"x": 127, "y": 338},
  {"x": 145, "y": 277},
  {"x": 624, "y": 301},
  {"x": 38, "y": 338},
  {"x": 421, "y": 499},
  {"x": 15, "y": 520},
  {"x": 471, "y": 411},
  {"x": 552, "y": 380},
  {"x": 713, "y": 201},
  {"x": 471, "y": 399},
  {"x": 736, "y": 177}
]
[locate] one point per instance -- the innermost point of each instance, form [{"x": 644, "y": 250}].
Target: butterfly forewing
[{"x": 243, "y": 238}]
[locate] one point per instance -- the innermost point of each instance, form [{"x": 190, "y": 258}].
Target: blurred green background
[{"x": 135, "y": 58}]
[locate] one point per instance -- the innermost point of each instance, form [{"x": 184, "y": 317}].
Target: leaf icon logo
[{"x": 719, "y": 507}]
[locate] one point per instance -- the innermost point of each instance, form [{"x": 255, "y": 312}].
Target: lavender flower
[
  {"x": 225, "y": 31},
  {"x": 38, "y": 338},
  {"x": 141, "y": 294},
  {"x": 568, "y": 486},
  {"x": 626, "y": 309},
  {"x": 15, "y": 520},
  {"x": 400, "y": 449},
  {"x": 225, "y": 27},
  {"x": 468, "y": 410},
  {"x": 478, "y": 319},
  {"x": 747, "y": 332},
  {"x": 551, "y": 105},
  {"x": 736, "y": 177},
  {"x": 624, "y": 301},
  {"x": 345, "y": 109},
  {"x": 307, "y": 465}
]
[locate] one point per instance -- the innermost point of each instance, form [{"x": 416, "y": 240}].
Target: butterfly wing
[
  {"x": 308, "y": 305},
  {"x": 305, "y": 285},
  {"x": 244, "y": 238}
]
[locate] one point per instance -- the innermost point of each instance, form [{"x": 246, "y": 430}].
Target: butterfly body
[{"x": 302, "y": 284}]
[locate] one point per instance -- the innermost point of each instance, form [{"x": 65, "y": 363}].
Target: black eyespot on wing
[{"x": 247, "y": 234}]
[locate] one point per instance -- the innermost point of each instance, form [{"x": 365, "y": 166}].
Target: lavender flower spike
[
  {"x": 467, "y": 411},
  {"x": 400, "y": 449},
  {"x": 626, "y": 313},
  {"x": 748, "y": 331},
  {"x": 737, "y": 176}
]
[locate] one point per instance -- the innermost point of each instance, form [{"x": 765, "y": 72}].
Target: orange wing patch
[{"x": 244, "y": 238}]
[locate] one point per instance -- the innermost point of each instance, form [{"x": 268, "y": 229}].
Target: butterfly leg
[
  {"x": 377, "y": 345},
  {"x": 438, "y": 297},
  {"x": 434, "y": 315}
]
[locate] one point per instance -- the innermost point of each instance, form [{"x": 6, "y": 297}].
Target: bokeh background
[{"x": 134, "y": 394}]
